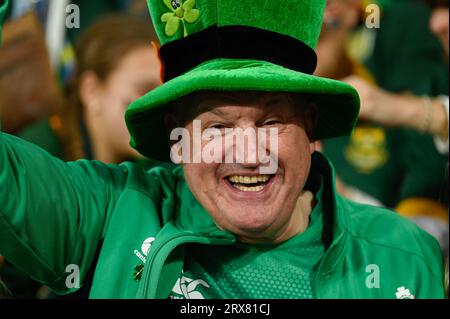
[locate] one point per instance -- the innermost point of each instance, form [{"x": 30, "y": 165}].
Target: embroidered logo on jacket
[
  {"x": 145, "y": 247},
  {"x": 186, "y": 288},
  {"x": 403, "y": 293}
]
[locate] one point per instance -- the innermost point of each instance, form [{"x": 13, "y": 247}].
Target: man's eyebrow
[
  {"x": 217, "y": 111},
  {"x": 213, "y": 106},
  {"x": 210, "y": 107}
]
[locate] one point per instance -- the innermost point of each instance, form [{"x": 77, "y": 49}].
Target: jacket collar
[{"x": 336, "y": 218}]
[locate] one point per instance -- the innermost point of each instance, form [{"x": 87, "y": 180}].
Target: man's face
[
  {"x": 439, "y": 25},
  {"x": 238, "y": 197}
]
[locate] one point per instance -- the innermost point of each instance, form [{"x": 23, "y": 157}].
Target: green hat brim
[{"x": 337, "y": 102}]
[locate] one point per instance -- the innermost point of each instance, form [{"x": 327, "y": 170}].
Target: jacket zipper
[
  {"x": 152, "y": 270},
  {"x": 322, "y": 273}
]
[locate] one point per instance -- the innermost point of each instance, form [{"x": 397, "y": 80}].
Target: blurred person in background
[
  {"x": 340, "y": 20},
  {"x": 115, "y": 66},
  {"x": 422, "y": 114},
  {"x": 61, "y": 40},
  {"x": 439, "y": 23},
  {"x": 380, "y": 165}
]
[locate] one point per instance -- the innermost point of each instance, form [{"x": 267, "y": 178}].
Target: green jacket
[{"x": 54, "y": 214}]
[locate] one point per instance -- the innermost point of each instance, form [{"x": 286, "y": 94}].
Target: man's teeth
[
  {"x": 249, "y": 179},
  {"x": 249, "y": 183},
  {"x": 250, "y": 189}
]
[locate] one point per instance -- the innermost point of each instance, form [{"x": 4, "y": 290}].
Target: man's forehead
[
  {"x": 208, "y": 101},
  {"x": 189, "y": 107}
]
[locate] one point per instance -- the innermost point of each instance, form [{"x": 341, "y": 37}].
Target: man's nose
[{"x": 243, "y": 146}]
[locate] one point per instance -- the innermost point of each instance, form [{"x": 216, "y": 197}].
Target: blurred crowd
[{"x": 67, "y": 92}]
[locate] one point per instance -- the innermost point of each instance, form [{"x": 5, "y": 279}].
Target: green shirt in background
[
  {"x": 407, "y": 57},
  {"x": 42, "y": 135},
  {"x": 387, "y": 163}
]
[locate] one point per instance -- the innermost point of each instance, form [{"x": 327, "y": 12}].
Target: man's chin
[
  {"x": 253, "y": 235},
  {"x": 246, "y": 222}
]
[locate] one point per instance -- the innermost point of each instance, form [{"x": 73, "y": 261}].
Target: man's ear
[{"x": 89, "y": 92}]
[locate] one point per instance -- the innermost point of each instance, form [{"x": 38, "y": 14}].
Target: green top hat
[{"x": 238, "y": 45}]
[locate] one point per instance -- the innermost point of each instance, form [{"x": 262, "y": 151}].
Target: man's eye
[
  {"x": 217, "y": 126},
  {"x": 272, "y": 122}
]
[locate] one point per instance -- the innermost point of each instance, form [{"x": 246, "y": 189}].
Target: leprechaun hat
[{"x": 238, "y": 45}]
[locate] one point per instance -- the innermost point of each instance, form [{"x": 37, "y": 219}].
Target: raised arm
[{"x": 52, "y": 213}]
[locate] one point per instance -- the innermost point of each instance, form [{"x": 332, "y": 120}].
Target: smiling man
[
  {"x": 218, "y": 228},
  {"x": 256, "y": 207}
]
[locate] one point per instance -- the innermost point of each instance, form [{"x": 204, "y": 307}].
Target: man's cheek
[{"x": 200, "y": 176}]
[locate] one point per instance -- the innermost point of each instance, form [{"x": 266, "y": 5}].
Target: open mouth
[{"x": 249, "y": 183}]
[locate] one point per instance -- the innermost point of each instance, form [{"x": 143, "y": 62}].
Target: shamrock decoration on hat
[{"x": 183, "y": 12}]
